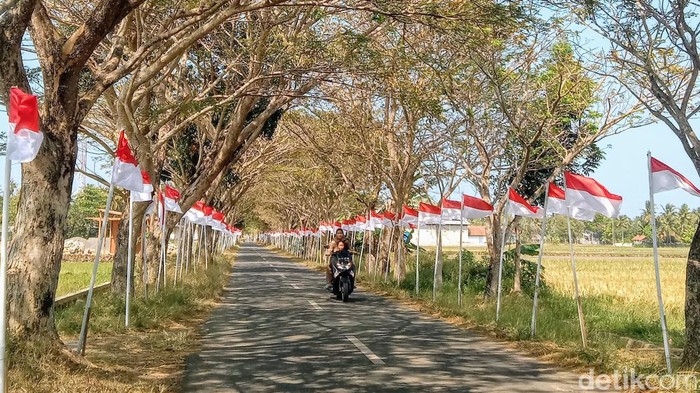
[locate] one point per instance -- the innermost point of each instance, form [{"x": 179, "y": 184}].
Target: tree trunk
[
  {"x": 35, "y": 253},
  {"x": 517, "y": 279},
  {"x": 691, "y": 352},
  {"x": 493, "y": 243},
  {"x": 119, "y": 267}
]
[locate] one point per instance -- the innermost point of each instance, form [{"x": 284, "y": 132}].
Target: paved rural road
[{"x": 277, "y": 330}]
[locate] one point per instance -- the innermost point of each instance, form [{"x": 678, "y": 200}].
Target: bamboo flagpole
[
  {"x": 504, "y": 227},
  {"x": 88, "y": 303},
  {"x": 129, "y": 256},
  {"x": 654, "y": 235},
  {"x": 459, "y": 271},
  {"x": 417, "y": 256},
  {"x": 438, "y": 239},
  {"x": 538, "y": 273},
  {"x": 577, "y": 297}
]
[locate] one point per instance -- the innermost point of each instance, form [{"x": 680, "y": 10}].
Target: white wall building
[{"x": 473, "y": 235}]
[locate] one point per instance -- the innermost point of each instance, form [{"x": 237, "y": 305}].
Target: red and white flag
[
  {"x": 361, "y": 223},
  {"x": 665, "y": 178},
  {"x": 518, "y": 206},
  {"x": 24, "y": 138},
  {"x": 217, "y": 221},
  {"x": 389, "y": 219},
  {"x": 335, "y": 226},
  {"x": 169, "y": 199},
  {"x": 196, "y": 213},
  {"x": 451, "y": 210},
  {"x": 586, "y": 193},
  {"x": 556, "y": 203},
  {"x": 429, "y": 214},
  {"x": 376, "y": 221},
  {"x": 476, "y": 208},
  {"x": 126, "y": 172},
  {"x": 208, "y": 211},
  {"x": 409, "y": 217},
  {"x": 147, "y": 193}
]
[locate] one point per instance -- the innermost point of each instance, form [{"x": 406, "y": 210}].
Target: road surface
[{"x": 277, "y": 330}]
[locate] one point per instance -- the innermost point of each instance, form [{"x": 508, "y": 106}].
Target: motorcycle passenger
[
  {"x": 333, "y": 247},
  {"x": 343, "y": 252}
]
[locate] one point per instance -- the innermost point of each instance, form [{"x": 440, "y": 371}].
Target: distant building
[
  {"x": 472, "y": 235},
  {"x": 639, "y": 239}
]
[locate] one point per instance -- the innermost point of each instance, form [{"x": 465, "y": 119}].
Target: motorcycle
[{"x": 343, "y": 278}]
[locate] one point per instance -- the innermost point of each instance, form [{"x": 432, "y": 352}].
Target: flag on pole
[
  {"x": 586, "y": 193},
  {"x": 208, "y": 210},
  {"x": 389, "y": 219},
  {"x": 518, "y": 206},
  {"x": 451, "y": 210},
  {"x": 126, "y": 172},
  {"x": 196, "y": 213},
  {"x": 556, "y": 199},
  {"x": 361, "y": 225},
  {"x": 147, "y": 193},
  {"x": 429, "y": 214},
  {"x": 409, "y": 217},
  {"x": 24, "y": 138},
  {"x": 476, "y": 208},
  {"x": 376, "y": 221},
  {"x": 665, "y": 178},
  {"x": 169, "y": 199}
]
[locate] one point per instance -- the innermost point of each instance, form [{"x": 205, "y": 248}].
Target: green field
[{"x": 76, "y": 276}]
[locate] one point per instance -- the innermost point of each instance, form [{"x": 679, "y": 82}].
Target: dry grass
[{"x": 149, "y": 357}]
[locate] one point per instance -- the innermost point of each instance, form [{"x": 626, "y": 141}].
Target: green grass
[{"x": 75, "y": 276}]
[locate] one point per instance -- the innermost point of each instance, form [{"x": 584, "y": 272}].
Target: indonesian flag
[
  {"x": 169, "y": 199},
  {"x": 586, "y": 193},
  {"x": 361, "y": 225},
  {"x": 217, "y": 220},
  {"x": 24, "y": 138},
  {"x": 208, "y": 211},
  {"x": 323, "y": 226},
  {"x": 519, "y": 206},
  {"x": 126, "y": 172},
  {"x": 389, "y": 219},
  {"x": 475, "y": 207},
  {"x": 196, "y": 213},
  {"x": 556, "y": 203},
  {"x": 409, "y": 217},
  {"x": 665, "y": 178},
  {"x": 376, "y": 221},
  {"x": 335, "y": 226},
  {"x": 147, "y": 193},
  {"x": 429, "y": 214},
  {"x": 451, "y": 210}
]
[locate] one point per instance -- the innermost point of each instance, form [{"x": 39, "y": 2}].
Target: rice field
[{"x": 618, "y": 292}]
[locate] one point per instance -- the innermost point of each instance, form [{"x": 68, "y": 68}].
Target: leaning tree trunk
[
  {"x": 517, "y": 279},
  {"x": 493, "y": 243},
  {"x": 691, "y": 352},
  {"x": 35, "y": 253},
  {"x": 119, "y": 266}
]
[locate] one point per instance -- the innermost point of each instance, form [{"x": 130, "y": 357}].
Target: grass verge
[{"x": 147, "y": 357}]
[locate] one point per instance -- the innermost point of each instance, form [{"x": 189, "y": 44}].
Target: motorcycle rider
[{"x": 332, "y": 248}]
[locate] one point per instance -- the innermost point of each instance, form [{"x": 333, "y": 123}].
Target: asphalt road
[{"x": 277, "y": 330}]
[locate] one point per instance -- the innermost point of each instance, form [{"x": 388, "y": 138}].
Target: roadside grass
[
  {"x": 619, "y": 303},
  {"x": 147, "y": 357},
  {"x": 75, "y": 276}
]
